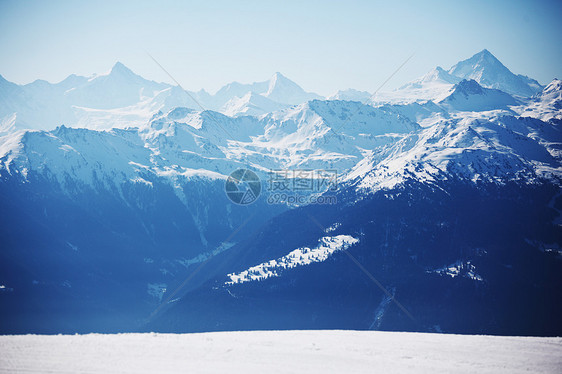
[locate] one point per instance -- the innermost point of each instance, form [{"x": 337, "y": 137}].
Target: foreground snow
[{"x": 279, "y": 352}]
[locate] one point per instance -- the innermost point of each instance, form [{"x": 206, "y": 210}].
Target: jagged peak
[
  {"x": 277, "y": 75},
  {"x": 279, "y": 78},
  {"x": 489, "y": 72},
  {"x": 468, "y": 86},
  {"x": 285, "y": 91},
  {"x": 487, "y": 55},
  {"x": 435, "y": 75},
  {"x": 482, "y": 59},
  {"x": 555, "y": 85},
  {"x": 552, "y": 91},
  {"x": 485, "y": 52},
  {"x": 438, "y": 73},
  {"x": 121, "y": 69}
]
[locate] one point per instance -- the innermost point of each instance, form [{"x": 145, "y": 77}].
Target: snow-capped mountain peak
[
  {"x": 436, "y": 75},
  {"x": 468, "y": 95},
  {"x": 252, "y": 104},
  {"x": 469, "y": 87},
  {"x": 120, "y": 69},
  {"x": 554, "y": 87},
  {"x": 277, "y": 76},
  {"x": 489, "y": 72},
  {"x": 279, "y": 81},
  {"x": 480, "y": 63},
  {"x": 434, "y": 85},
  {"x": 285, "y": 91}
]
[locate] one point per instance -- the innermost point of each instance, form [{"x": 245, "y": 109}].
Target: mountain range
[
  {"x": 120, "y": 98},
  {"x": 446, "y": 215}
]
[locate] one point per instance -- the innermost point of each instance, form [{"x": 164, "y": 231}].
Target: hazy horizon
[{"x": 323, "y": 46}]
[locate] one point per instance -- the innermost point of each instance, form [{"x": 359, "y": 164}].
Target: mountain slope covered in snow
[{"x": 546, "y": 105}]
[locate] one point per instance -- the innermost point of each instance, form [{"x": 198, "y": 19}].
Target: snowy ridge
[
  {"x": 182, "y": 144},
  {"x": 432, "y": 86},
  {"x": 381, "y": 146},
  {"x": 251, "y": 104},
  {"x": 470, "y": 133},
  {"x": 351, "y": 95},
  {"x": 488, "y": 148},
  {"x": 327, "y": 246},
  {"x": 546, "y": 105}
]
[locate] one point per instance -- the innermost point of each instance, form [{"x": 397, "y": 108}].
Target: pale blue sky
[{"x": 322, "y": 45}]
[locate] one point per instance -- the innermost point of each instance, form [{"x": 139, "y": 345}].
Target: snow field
[{"x": 279, "y": 352}]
